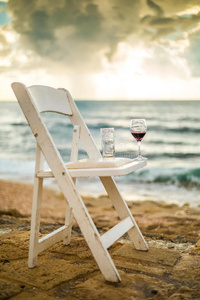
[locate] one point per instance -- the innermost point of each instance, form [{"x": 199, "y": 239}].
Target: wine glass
[{"x": 138, "y": 128}]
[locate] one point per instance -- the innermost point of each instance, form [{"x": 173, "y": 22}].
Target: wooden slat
[
  {"x": 116, "y": 232},
  {"x": 36, "y": 206},
  {"x": 52, "y": 238},
  {"x": 75, "y": 142},
  {"x": 74, "y": 156}
]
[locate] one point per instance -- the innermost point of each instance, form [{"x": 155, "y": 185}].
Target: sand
[{"x": 169, "y": 270}]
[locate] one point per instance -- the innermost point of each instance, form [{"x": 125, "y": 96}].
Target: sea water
[{"x": 172, "y": 146}]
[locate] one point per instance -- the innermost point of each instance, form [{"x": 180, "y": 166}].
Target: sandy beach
[{"x": 169, "y": 270}]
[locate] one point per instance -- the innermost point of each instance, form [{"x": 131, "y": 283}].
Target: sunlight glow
[
  {"x": 11, "y": 37},
  {"x": 126, "y": 78},
  {"x": 5, "y": 62},
  {"x": 22, "y": 58},
  {"x": 190, "y": 11}
]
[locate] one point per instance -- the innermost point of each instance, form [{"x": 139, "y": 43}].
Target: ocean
[{"x": 171, "y": 144}]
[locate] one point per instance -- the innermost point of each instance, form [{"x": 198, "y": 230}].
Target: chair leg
[
  {"x": 123, "y": 212},
  {"x": 94, "y": 242},
  {"x": 68, "y": 222},
  {"x": 89, "y": 231},
  {"x": 35, "y": 222}
]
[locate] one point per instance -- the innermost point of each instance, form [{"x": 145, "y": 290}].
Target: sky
[{"x": 106, "y": 49}]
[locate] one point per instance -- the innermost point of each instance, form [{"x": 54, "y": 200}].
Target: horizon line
[{"x": 120, "y": 99}]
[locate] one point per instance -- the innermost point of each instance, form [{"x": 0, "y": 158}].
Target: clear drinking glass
[
  {"x": 138, "y": 128},
  {"x": 108, "y": 142}
]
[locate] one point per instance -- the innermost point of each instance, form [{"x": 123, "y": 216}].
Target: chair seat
[{"x": 102, "y": 167}]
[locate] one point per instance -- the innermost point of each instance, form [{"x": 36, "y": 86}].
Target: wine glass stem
[{"x": 139, "y": 152}]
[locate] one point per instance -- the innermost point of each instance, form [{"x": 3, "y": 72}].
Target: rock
[
  {"x": 49, "y": 272},
  {"x": 196, "y": 249},
  {"x": 163, "y": 256},
  {"x": 184, "y": 293},
  {"x": 8, "y": 289}
]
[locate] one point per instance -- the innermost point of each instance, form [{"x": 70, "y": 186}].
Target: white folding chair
[{"x": 38, "y": 99}]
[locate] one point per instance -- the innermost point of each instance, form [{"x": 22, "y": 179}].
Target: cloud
[
  {"x": 5, "y": 46},
  {"x": 74, "y": 32},
  {"x": 162, "y": 26},
  {"x": 155, "y": 7},
  {"x": 192, "y": 54},
  {"x": 163, "y": 64},
  {"x": 171, "y": 7},
  {"x": 77, "y": 36}
]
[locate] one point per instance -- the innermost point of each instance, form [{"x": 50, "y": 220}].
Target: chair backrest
[
  {"x": 37, "y": 99},
  {"x": 48, "y": 99}
]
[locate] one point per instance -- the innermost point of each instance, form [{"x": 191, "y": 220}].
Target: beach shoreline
[{"x": 16, "y": 201}]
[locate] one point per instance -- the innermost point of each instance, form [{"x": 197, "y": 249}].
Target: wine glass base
[{"x": 140, "y": 158}]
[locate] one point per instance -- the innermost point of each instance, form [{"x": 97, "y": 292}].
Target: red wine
[{"x": 138, "y": 135}]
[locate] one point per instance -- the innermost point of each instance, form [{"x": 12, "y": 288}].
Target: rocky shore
[{"x": 169, "y": 270}]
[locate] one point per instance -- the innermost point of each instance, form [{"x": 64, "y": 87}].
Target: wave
[
  {"x": 169, "y": 142},
  {"x": 184, "y": 129},
  {"x": 191, "y": 119},
  {"x": 151, "y": 129},
  {"x": 95, "y": 124},
  {"x": 161, "y": 155},
  {"x": 180, "y": 177},
  {"x": 173, "y": 155},
  {"x": 19, "y": 124}
]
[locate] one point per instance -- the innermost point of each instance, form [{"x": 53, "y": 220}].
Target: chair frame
[{"x": 34, "y": 100}]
